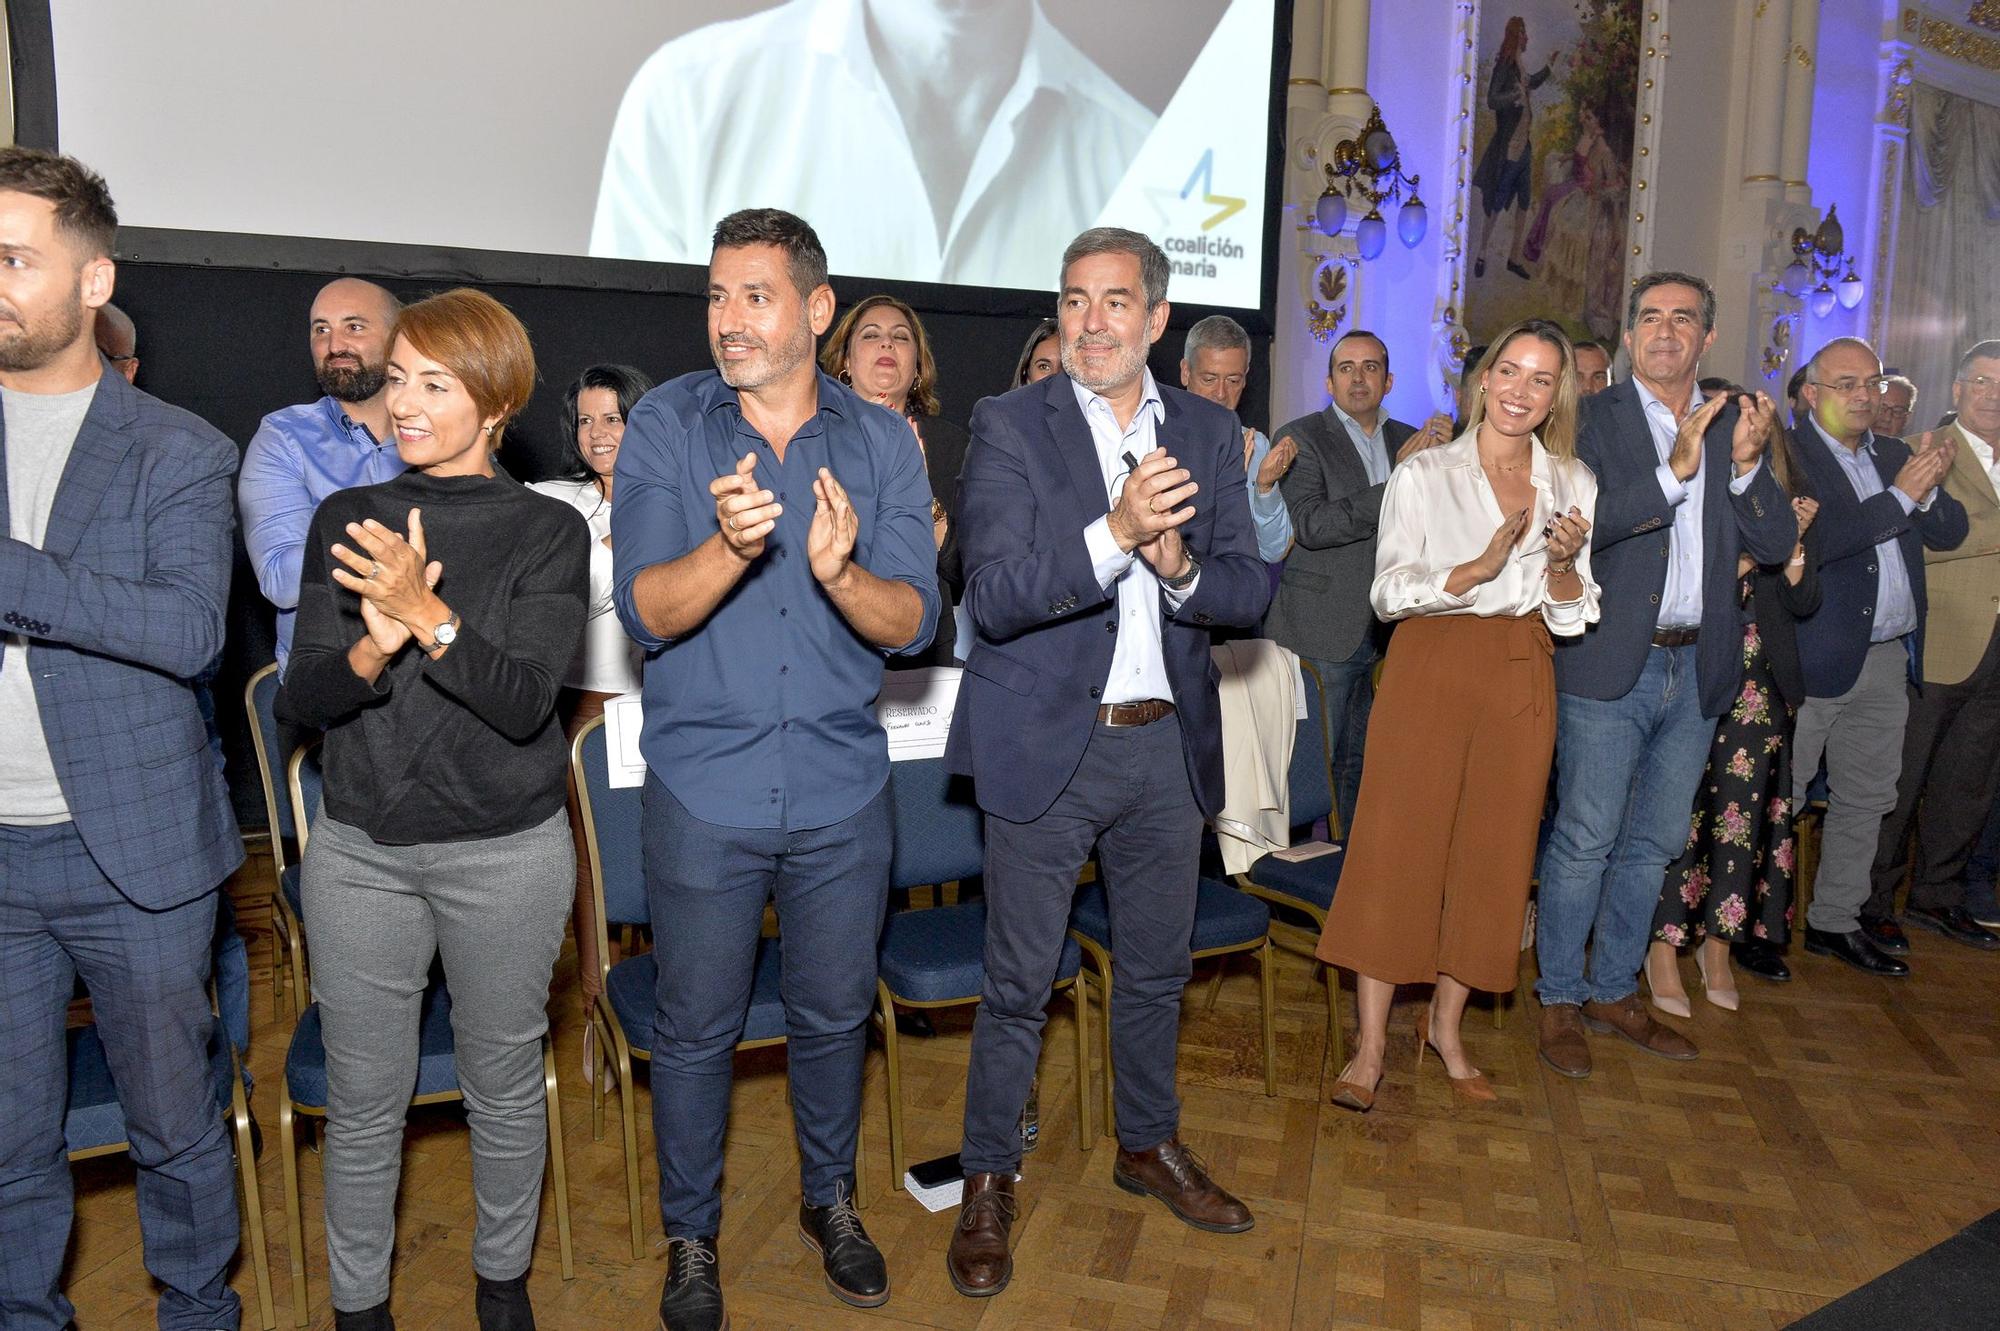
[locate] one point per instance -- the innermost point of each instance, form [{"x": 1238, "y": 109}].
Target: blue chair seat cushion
[
  {"x": 632, "y": 983},
  {"x": 93, "y": 1117},
  {"x": 1223, "y": 916},
  {"x": 1312, "y": 881},
  {"x": 305, "y": 1060},
  {"x": 939, "y": 955},
  {"x": 288, "y": 883}
]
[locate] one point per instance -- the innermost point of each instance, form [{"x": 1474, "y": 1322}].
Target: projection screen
[{"x": 959, "y": 142}]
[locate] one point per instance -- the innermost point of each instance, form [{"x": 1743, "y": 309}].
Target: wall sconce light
[
  {"x": 1820, "y": 255},
  {"x": 1372, "y": 167}
]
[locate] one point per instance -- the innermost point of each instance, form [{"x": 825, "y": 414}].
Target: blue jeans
[
  {"x": 1350, "y": 697},
  {"x": 1626, "y": 775},
  {"x": 706, "y": 887}
]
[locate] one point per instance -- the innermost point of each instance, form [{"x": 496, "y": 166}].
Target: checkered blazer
[{"x": 121, "y": 607}]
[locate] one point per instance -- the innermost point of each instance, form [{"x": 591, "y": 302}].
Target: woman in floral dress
[{"x": 1732, "y": 886}]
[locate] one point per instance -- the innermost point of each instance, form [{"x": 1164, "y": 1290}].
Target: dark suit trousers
[
  {"x": 147, "y": 972},
  {"x": 1130, "y": 798},
  {"x": 1951, "y": 767}
]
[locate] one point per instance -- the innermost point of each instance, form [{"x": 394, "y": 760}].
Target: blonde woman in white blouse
[{"x": 1483, "y": 553}]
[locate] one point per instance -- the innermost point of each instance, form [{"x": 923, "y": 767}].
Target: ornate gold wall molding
[{"x": 1948, "y": 39}]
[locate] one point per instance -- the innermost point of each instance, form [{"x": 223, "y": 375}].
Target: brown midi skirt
[{"x": 1457, "y": 767}]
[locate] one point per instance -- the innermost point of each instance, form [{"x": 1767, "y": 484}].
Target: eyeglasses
[
  {"x": 1874, "y": 387},
  {"x": 1981, "y": 383}
]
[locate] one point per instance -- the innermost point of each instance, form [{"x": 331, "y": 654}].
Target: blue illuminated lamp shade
[
  {"x": 1412, "y": 221},
  {"x": 1795, "y": 277},
  {"x": 1821, "y": 301},
  {"x": 1331, "y": 212},
  {"x": 1371, "y": 233}
]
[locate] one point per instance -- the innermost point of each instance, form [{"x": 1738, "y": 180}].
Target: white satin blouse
[{"x": 1439, "y": 512}]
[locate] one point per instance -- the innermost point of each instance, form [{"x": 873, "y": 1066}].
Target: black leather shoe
[
  {"x": 855, "y": 1271},
  {"x": 1856, "y": 950},
  {"x": 1955, "y": 923},
  {"x": 1761, "y": 959},
  {"x": 368, "y": 1319},
  {"x": 1885, "y": 934},
  {"x": 503, "y": 1304},
  {"x": 1516, "y": 269},
  {"x": 692, "y": 1297}
]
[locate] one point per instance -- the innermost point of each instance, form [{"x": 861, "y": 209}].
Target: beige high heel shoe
[
  {"x": 1726, "y": 998},
  {"x": 1667, "y": 1003},
  {"x": 1474, "y": 1089}
]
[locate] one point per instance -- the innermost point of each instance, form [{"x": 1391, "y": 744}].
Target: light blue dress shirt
[
  {"x": 1372, "y": 445},
  {"x": 1895, "y": 603},
  {"x": 298, "y": 457},
  {"x": 1680, "y": 599},
  {"x": 1268, "y": 511}
]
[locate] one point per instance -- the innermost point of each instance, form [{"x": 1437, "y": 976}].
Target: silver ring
[
  {"x": 732, "y": 522},
  {"x": 375, "y": 570}
]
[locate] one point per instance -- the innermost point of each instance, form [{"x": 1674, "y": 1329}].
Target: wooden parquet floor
[{"x": 1831, "y": 1129}]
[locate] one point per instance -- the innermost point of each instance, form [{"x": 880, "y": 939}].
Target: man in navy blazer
[
  {"x": 1683, "y": 490},
  {"x": 1088, "y": 716},
  {"x": 1880, "y": 507},
  {"x": 116, "y": 515}
]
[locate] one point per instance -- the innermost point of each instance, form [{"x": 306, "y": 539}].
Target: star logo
[{"x": 1204, "y": 175}]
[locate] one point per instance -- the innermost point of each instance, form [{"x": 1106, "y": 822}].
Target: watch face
[{"x": 446, "y": 634}]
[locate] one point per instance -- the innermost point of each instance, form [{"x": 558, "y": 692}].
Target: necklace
[{"x": 1502, "y": 466}]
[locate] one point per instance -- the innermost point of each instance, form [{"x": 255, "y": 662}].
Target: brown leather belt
[
  {"x": 1675, "y": 637},
  {"x": 1134, "y": 713}
]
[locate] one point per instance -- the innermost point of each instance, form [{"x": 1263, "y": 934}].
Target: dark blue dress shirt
[{"x": 764, "y": 715}]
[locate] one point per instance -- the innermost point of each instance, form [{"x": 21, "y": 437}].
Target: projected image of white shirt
[{"x": 805, "y": 106}]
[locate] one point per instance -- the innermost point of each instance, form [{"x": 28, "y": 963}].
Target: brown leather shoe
[
  {"x": 978, "y": 1261},
  {"x": 1563, "y": 1045},
  {"x": 1628, "y": 1017},
  {"x": 1174, "y": 1174}
]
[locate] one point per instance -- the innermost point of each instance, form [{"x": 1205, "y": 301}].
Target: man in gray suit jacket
[
  {"x": 115, "y": 529},
  {"x": 1334, "y": 492}
]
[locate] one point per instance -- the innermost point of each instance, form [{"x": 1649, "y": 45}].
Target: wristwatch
[
  {"x": 1185, "y": 580},
  {"x": 443, "y": 636}
]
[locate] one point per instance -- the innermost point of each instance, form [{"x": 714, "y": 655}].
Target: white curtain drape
[{"x": 1947, "y": 286}]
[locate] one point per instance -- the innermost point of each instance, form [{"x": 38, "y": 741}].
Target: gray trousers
[
  {"x": 1860, "y": 734},
  {"x": 377, "y": 915}
]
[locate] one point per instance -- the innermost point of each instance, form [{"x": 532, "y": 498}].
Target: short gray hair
[
  {"x": 1902, "y": 381},
  {"x": 1153, "y": 266},
  {"x": 1667, "y": 277},
  {"x": 1852, "y": 343},
  {"x": 1218, "y": 332},
  {"x": 1987, "y": 350}
]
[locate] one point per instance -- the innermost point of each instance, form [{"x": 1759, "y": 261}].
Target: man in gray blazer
[
  {"x": 115, "y": 830},
  {"x": 1334, "y": 492}
]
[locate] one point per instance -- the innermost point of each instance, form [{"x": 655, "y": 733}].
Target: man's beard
[
  {"x": 352, "y": 383},
  {"x": 35, "y": 345},
  {"x": 1129, "y": 362},
  {"x": 778, "y": 362}
]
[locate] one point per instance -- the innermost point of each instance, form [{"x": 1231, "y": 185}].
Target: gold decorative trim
[
  {"x": 1985, "y": 14},
  {"x": 1952, "y": 41},
  {"x": 1752, "y": 180},
  {"x": 1304, "y": 83},
  {"x": 1346, "y": 92}
]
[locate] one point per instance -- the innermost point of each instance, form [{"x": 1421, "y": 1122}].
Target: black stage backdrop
[{"x": 229, "y": 344}]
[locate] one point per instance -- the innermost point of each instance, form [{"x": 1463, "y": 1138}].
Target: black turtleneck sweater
[{"x": 467, "y": 746}]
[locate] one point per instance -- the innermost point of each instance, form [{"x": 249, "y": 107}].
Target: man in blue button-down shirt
[
  {"x": 772, "y": 540},
  {"x": 302, "y": 454},
  {"x": 1880, "y": 506}
]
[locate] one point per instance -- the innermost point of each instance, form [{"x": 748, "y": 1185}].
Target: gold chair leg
[
  {"x": 628, "y": 1120},
  {"x": 1081, "y": 998},
  {"x": 295, "y": 1224},
  {"x": 301, "y": 985},
  {"x": 253, "y": 1203},
  {"x": 1215, "y": 983},
  {"x": 862, "y": 1196},
  {"x": 1500, "y": 1002},
  {"x": 1110, "y": 1108},
  {"x": 892, "y": 1060},
  {"x": 1267, "y": 979},
  {"x": 558, "y": 1171},
  {"x": 598, "y": 1067}
]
